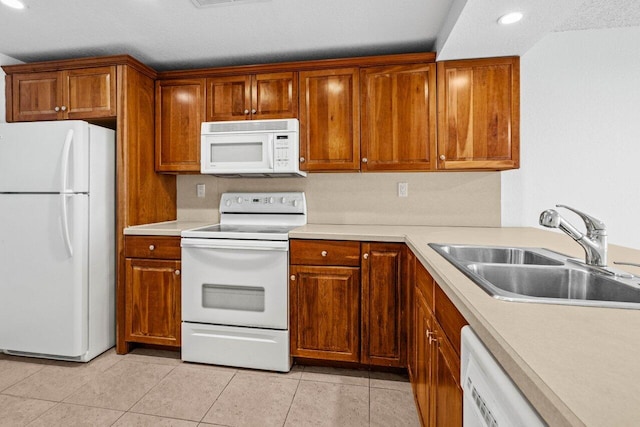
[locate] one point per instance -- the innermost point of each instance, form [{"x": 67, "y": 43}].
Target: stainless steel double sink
[{"x": 542, "y": 276}]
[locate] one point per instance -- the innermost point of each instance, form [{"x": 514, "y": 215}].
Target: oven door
[
  {"x": 237, "y": 153},
  {"x": 235, "y": 282}
]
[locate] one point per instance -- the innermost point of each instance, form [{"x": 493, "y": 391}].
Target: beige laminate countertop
[
  {"x": 576, "y": 365},
  {"x": 166, "y": 228}
]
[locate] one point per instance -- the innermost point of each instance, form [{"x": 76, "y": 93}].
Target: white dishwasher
[{"x": 490, "y": 399}]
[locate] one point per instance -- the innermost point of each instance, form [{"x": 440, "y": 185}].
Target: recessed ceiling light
[
  {"x": 510, "y": 18},
  {"x": 16, "y": 4}
]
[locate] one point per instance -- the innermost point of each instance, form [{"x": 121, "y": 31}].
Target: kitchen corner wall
[
  {"x": 580, "y": 132},
  {"x": 4, "y": 60},
  {"x": 447, "y": 198}
]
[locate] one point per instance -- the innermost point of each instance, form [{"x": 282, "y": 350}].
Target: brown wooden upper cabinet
[
  {"x": 84, "y": 93},
  {"x": 479, "y": 114},
  {"x": 398, "y": 117},
  {"x": 180, "y": 110},
  {"x": 251, "y": 97},
  {"x": 330, "y": 120}
]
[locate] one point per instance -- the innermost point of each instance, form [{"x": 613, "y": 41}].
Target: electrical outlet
[
  {"x": 200, "y": 190},
  {"x": 403, "y": 189}
]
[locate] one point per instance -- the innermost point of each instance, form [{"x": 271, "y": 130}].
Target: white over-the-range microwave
[{"x": 267, "y": 148}]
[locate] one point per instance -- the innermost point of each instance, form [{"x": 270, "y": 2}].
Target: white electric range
[{"x": 235, "y": 282}]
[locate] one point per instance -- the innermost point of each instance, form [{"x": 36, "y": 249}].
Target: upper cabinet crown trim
[
  {"x": 362, "y": 61},
  {"x": 68, "y": 64}
]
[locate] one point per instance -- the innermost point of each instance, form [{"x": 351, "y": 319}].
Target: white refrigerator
[{"x": 57, "y": 239}]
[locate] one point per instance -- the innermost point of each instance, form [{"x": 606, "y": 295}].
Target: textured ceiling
[
  {"x": 594, "y": 14},
  {"x": 174, "y": 34}
]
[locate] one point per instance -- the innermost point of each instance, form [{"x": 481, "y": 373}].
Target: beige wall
[{"x": 452, "y": 198}]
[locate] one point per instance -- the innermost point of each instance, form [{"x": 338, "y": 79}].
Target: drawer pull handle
[
  {"x": 177, "y": 272},
  {"x": 293, "y": 277},
  {"x": 152, "y": 247},
  {"x": 365, "y": 256},
  {"x": 323, "y": 253}
]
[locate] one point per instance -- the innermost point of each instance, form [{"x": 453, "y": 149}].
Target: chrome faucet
[{"x": 594, "y": 242}]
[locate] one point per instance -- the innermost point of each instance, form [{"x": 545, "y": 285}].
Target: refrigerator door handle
[
  {"x": 66, "y": 154},
  {"x": 65, "y": 223}
]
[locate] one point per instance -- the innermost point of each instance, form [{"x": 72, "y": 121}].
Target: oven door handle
[{"x": 235, "y": 245}]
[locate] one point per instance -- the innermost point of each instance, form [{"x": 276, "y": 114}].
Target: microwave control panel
[{"x": 285, "y": 150}]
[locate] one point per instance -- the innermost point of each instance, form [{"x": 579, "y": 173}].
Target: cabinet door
[
  {"x": 398, "y": 117},
  {"x": 424, "y": 362},
  {"x": 36, "y": 96},
  {"x": 89, "y": 93},
  {"x": 229, "y": 98},
  {"x": 324, "y": 312},
  {"x": 330, "y": 120},
  {"x": 274, "y": 96},
  {"x": 448, "y": 398},
  {"x": 180, "y": 110},
  {"x": 383, "y": 326},
  {"x": 153, "y": 301},
  {"x": 408, "y": 279},
  {"x": 478, "y": 111}
]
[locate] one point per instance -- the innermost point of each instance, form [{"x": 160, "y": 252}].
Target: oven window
[
  {"x": 226, "y": 297},
  {"x": 236, "y": 152}
]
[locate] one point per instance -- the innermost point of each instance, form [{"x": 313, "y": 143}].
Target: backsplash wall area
[{"x": 451, "y": 198}]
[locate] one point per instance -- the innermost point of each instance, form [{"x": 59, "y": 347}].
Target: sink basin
[
  {"x": 563, "y": 283},
  {"x": 499, "y": 255},
  {"x": 542, "y": 276}
]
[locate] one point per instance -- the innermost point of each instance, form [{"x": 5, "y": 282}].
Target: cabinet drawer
[
  {"x": 161, "y": 247},
  {"x": 325, "y": 252},
  {"x": 449, "y": 318}
]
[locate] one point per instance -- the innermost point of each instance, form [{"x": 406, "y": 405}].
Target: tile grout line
[
  {"x": 147, "y": 392},
  {"x": 294, "y": 396},
  {"x": 218, "y": 396},
  {"x": 39, "y": 416}
]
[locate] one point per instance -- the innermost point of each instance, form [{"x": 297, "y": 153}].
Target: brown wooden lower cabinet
[
  {"x": 325, "y": 312},
  {"x": 436, "y": 373},
  {"x": 153, "y": 291},
  {"x": 346, "y": 302}
]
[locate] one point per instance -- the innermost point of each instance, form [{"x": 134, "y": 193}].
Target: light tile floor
[{"x": 155, "y": 388}]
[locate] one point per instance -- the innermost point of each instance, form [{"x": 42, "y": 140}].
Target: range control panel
[{"x": 281, "y": 203}]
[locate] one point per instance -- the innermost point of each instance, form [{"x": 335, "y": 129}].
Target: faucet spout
[{"x": 594, "y": 242}]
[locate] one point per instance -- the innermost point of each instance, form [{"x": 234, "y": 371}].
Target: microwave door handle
[{"x": 270, "y": 143}]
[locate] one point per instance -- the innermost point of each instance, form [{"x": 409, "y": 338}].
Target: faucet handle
[{"x": 593, "y": 224}]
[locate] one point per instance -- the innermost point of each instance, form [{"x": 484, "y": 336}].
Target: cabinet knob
[
  {"x": 442, "y": 157},
  {"x": 151, "y": 247},
  {"x": 246, "y": 112},
  {"x": 365, "y": 160},
  {"x": 63, "y": 108},
  {"x": 365, "y": 256},
  {"x": 56, "y": 109},
  {"x": 301, "y": 159},
  {"x": 293, "y": 277},
  {"x": 177, "y": 272},
  {"x": 253, "y": 111},
  {"x": 323, "y": 253}
]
